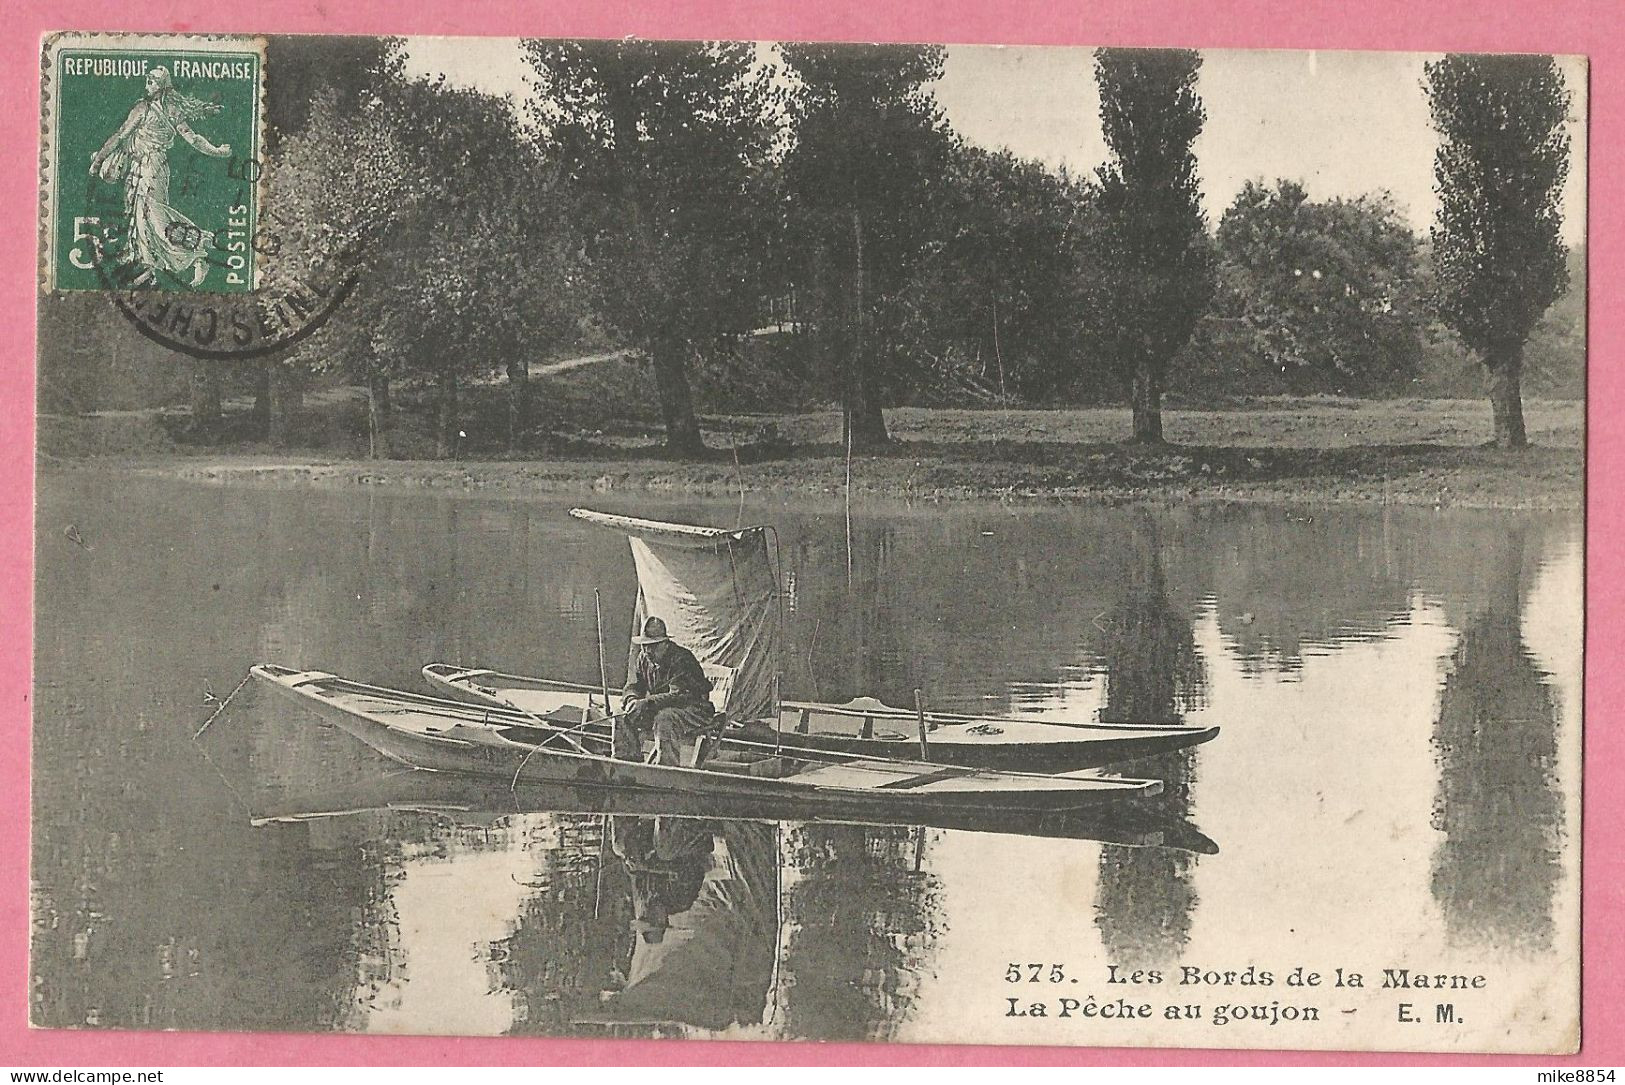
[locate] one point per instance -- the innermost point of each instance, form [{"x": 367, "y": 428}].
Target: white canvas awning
[{"x": 718, "y": 593}]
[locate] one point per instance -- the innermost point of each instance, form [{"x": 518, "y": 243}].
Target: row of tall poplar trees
[
  {"x": 697, "y": 179},
  {"x": 1499, "y": 172}
]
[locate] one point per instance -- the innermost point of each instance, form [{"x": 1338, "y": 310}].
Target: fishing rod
[{"x": 603, "y": 819}]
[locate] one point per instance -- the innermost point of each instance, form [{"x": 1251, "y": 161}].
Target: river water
[{"x": 1396, "y": 782}]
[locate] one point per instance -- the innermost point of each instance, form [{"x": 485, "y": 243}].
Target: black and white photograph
[{"x": 792, "y": 541}]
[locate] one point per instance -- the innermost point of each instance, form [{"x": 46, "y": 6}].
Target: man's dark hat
[{"x": 654, "y": 632}]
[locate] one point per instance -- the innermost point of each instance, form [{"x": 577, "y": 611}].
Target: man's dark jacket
[{"x": 674, "y": 682}]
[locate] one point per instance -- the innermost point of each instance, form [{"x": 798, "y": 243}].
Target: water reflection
[
  {"x": 964, "y": 608},
  {"x": 866, "y": 917},
  {"x": 1145, "y": 898},
  {"x": 704, "y": 901},
  {"x": 1290, "y": 581},
  {"x": 434, "y": 908},
  {"x": 570, "y": 936},
  {"x": 1498, "y": 805},
  {"x": 1154, "y": 674}
]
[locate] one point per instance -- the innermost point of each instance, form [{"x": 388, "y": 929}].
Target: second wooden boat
[{"x": 867, "y": 727}]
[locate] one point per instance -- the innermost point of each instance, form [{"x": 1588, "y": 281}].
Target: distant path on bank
[
  {"x": 345, "y": 393},
  {"x": 548, "y": 369}
]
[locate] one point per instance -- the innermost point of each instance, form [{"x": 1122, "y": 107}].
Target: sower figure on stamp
[
  {"x": 669, "y": 695},
  {"x": 137, "y": 157}
]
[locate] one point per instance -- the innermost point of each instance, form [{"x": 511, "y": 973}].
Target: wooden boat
[
  {"x": 869, "y": 728},
  {"x": 451, "y": 736}
]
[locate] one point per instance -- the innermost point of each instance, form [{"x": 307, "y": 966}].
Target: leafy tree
[
  {"x": 1499, "y": 171},
  {"x": 333, "y": 190},
  {"x": 302, "y": 68},
  {"x": 1555, "y": 357},
  {"x": 330, "y": 187},
  {"x": 465, "y": 262},
  {"x": 666, "y": 140},
  {"x": 990, "y": 303},
  {"x": 1149, "y": 266},
  {"x": 863, "y": 174},
  {"x": 481, "y": 273},
  {"x": 1327, "y": 292}
]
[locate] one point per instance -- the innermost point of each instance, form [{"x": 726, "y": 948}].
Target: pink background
[{"x": 1551, "y": 26}]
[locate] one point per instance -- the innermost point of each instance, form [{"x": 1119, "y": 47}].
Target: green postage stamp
[{"x": 151, "y": 162}]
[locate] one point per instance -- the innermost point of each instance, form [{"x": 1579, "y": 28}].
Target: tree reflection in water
[
  {"x": 1154, "y": 674},
  {"x": 864, "y": 920},
  {"x": 1498, "y": 804},
  {"x": 571, "y": 933}
]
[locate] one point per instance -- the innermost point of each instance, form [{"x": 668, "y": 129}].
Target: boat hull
[
  {"x": 447, "y": 736},
  {"x": 969, "y": 741}
]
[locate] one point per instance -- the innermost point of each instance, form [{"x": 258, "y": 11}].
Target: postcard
[{"x": 784, "y": 541}]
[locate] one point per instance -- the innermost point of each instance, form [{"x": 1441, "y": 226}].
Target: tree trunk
[
  {"x": 667, "y": 352},
  {"x": 262, "y": 398},
  {"x": 863, "y": 421},
  {"x": 1147, "y": 404},
  {"x": 676, "y": 403},
  {"x": 1506, "y": 396},
  {"x": 865, "y": 415},
  {"x": 205, "y": 398},
  {"x": 518, "y": 402},
  {"x": 446, "y": 441},
  {"x": 378, "y": 415},
  {"x": 285, "y": 399}
]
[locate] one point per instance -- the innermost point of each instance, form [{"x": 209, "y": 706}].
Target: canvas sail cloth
[{"x": 718, "y": 593}]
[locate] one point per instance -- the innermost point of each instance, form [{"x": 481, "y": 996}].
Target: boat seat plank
[{"x": 921, "y": 779}]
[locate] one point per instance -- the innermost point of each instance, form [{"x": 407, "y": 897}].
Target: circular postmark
[{"x": 236, "y": 327}]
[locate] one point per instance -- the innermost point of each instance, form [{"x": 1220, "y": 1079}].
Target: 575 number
[{"x": 1034, "y": 973}]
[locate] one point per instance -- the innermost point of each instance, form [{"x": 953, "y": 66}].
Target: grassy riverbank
[{"x": 1425, "y": 452}]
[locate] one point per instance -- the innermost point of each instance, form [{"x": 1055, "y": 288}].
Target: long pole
[
  {"x": 848, "y": 492},
  {"x": 598, "y": 878},
  {"x": 603, "y": 672},
  {"x": 919, "y": 711},
  {"x": 603, "y": 819}
]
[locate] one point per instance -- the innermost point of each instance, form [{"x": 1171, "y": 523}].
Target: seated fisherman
[{"x": 669, "y": 696}]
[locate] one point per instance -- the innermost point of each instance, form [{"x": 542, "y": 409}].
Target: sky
[{"x": 1341, "y": 123}]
